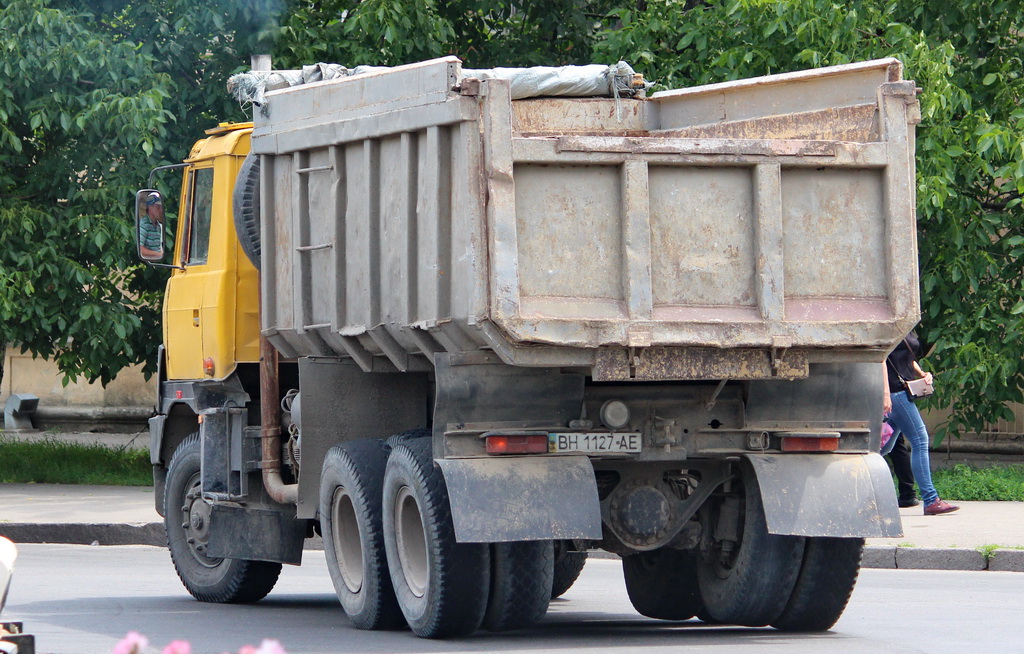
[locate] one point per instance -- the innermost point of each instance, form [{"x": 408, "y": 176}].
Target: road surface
[{"x": 81, "y": 600}]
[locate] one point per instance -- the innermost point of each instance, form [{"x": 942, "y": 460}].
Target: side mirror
[{"x": 149, "y": 224}]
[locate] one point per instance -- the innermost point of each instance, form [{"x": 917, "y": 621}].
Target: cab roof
[{"x": 225, "y": 138}]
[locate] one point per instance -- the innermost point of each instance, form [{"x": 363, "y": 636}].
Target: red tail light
[
  {"x": 810, "y": 444},
  {"x": 517, "y": 444}
]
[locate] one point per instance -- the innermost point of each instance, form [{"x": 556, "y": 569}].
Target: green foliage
[
  {"x": 483, "y": 33},
  {"x": 93, "y": 95},
  {"x": 966, "y": 483},
  {"x": 967, "y": 57},
  {"x": 77, "y": 113},
  {"x": 58, "y": 462}
]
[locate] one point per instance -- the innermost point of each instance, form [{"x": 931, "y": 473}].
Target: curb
[
  {"x": 921, "y": 558},
  {"x": 875, "y": 557},
  {"x": 143, "y": 533},
  {"x": 935, "y": 558}
]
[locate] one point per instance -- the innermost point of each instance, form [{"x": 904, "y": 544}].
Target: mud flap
[
  {"x": 522, "y": 498},
  {"x": 838, "y": 495},
  {"x": 255, "y": 534}
]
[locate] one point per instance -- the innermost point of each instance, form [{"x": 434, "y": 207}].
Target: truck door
[{"x": 183, "y": 300}]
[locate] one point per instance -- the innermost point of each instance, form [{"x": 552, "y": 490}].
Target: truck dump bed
[{"x": 735, "y": 230}]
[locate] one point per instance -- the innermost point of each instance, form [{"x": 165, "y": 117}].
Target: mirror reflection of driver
[{"x": 151, "y": 228}]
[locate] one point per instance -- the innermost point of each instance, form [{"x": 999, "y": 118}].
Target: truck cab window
[{"x": 199, "y": 219}]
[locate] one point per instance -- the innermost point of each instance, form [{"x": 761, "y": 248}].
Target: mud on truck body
[{"x": 495, "y": 333}]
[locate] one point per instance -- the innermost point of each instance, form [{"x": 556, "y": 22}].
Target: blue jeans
[{"x": 906, "y": 418}]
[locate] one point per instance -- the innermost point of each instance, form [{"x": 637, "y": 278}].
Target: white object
[{"x": 8, "y": 553}]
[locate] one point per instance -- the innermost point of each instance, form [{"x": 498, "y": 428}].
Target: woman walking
[{"x": 904, "y": 416}]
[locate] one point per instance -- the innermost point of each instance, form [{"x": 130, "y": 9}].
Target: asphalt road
[{"x": 81, "y": 600}]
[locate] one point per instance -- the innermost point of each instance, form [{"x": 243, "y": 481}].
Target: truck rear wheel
[
  {"x": 746, "y": 581},
  {"x": 350, "y": 519},
  {"x": 827, "y": 577},
  {"x": 187, "y": 516},
  {"x": 568, "y": 566},
  {"x": 521, "y": 576},
  {"x": 662, "y": 583},
  {"x": 441, "y": 585}
]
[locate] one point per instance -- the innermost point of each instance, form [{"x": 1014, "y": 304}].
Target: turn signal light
[
  {"x": 810, "y": 444},
  {"x": 208, "y": 367},
  {"x": 517, "y": 444}
]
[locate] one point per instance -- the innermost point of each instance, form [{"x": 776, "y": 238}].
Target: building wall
[{"x": 23, "y": 374}]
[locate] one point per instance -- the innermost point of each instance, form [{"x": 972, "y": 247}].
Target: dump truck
[{"x": 468, "y": 336}]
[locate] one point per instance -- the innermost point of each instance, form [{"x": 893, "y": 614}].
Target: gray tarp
[{"x": 594, "y": 80}]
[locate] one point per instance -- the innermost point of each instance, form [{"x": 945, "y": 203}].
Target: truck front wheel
[
  {"x": 441, "y": 585},
  {"x": 350, "y": 519},
  {"x": 746, "y": 575},
  {"x": 187, "y": 516}
]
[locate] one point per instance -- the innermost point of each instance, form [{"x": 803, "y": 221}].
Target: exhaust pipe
[{"x": 270, "y": 434}]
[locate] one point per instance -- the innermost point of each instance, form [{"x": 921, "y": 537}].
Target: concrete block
[
  {"x": 927, "y": 558},
  {"x": 879, "y": 557},
  {"x": 1007, "y": 560}
]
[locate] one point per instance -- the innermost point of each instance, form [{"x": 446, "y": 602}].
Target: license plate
[{"x": 594, "y": 442}]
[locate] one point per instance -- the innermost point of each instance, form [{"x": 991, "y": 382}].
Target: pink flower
[
  {"x": 178, "y": 647},
  {"x": 269, "y": 646},
  {"x": 133, "y": 643}
]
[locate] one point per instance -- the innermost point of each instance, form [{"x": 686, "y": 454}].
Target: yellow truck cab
[
  {"x": 209, "y": 380},
  {"x": 211, "y": 321}
]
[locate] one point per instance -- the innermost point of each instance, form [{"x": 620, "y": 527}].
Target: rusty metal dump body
[{"x": 739, "y": 230}]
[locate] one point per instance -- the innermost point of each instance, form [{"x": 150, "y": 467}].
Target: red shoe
[{"x": 938, "y": 507}]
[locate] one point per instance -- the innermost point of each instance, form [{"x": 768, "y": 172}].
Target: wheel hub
[
  {"x": 412, "y": 542},
  {"x": 347, "y": 546},
  {"x": 642, "y": 513},
  {"x": 196, "y": 523}
]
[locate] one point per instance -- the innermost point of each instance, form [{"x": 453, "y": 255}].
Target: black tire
[
  {"x": 751, "y": 583},
  {"x": 827, "y": 577},
  {"x": 568, "y": 566},
  {"x": 406, "y": 436},
  {"x": 521, "y": 575},
  {"x": 662, "y": 583},
  {"x": 246, "y": 201},
  {"x": 441, "y": 585},
  {"x": 350, "y": 519},
  {"x": 186, "y": 518}
]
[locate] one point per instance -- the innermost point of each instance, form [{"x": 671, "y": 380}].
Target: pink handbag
[{"x": 886, "y": 433}]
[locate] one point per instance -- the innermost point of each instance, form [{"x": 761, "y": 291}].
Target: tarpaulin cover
[{"x": 594, "y": 80}]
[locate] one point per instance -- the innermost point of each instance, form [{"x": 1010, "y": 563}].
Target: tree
[
  {"x": 95, "y": 94},
  {"x": 79, "y": 112},
  {"x": 967, "y": 58},
  {"x": 138, "y": 82},
  {"x": 483, "y": 33}
]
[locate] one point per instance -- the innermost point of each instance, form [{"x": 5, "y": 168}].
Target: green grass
[
  {"x": 55, "y": 462},
  {"x": 967, "y": 483}
]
